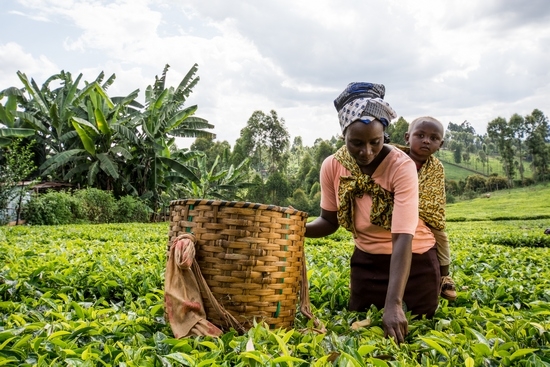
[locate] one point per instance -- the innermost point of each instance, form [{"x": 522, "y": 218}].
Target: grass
[
  {"x": 459, "y": 172},
  {"x": 530, "y": 202}
]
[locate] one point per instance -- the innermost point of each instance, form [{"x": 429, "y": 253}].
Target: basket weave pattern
[{"x": 249, "y": 254}]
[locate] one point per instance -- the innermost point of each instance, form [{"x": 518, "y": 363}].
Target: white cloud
[
  {"x": 14, "y": 58},
  {"x": 455, "y": 60}
]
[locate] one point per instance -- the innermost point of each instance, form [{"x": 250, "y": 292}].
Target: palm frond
[
  {"x": 69, "y": 98},
  {"x": 178, "y": 118},
  {"x": 109, "y": 82},
  {"x": 15, "y": 132},
  {"x": 76, "y": 170},
  {"x": 92, "y": 173},
  {"x": 125, "y": 132},
  {"x": 107, "y": 165},
  {"x": 122, "y": 151},
  {"x": 59, "y": 160},
  {"x": 180, "y": 169},
  {"x": 187, "y": 83}
]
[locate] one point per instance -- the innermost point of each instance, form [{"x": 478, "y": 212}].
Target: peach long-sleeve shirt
[{"x": 397, "y": 174}]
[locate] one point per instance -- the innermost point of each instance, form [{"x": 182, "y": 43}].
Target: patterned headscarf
[{"x": 363, "y": 101}]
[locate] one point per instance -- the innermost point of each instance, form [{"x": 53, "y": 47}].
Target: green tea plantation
[{"x": 92, "y": 295}]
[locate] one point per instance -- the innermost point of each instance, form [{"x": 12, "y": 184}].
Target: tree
[
  {"x": 49, "y": 112},
  {"x": 164, "y": 117},
  {"x": 483, "y": 158},
  {"x": 299, "y": 200},
  {"x": 457, "y": 152},
  {"x": 501, "y": 133},
  {"x": 265, "y": 140},
  {"x": 538, "y": 134},
  {"x": 397, "y": 131},
  {"x": 105, "y": 141},
  {"x": 216, "y": 181},
  {"x": 213, "y": 149},
  {"x": 461, "y": 140},
  {"x": 322, "y": 150},
  {"x": 10, "y": 123},
  {"x": 518, "y": 129},
  {"x": 256, "y": 193},
  {"x": 294, "y": 163},
  {"x": 277, "y": 189},
  {"x": 16, "y": 165}
]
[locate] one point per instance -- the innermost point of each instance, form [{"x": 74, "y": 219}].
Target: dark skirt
[{"x": 370, "y": 275}]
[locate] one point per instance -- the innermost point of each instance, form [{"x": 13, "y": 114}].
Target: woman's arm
[
  {"x": 325, "y": 224},
  {"x": 394, "y": 320}
]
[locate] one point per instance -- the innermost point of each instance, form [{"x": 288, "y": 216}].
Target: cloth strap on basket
[{"x": 184, "y": 284}]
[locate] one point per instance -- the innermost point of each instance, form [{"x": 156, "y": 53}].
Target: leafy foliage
[
  {"x": 217, "y": 181},
  {"x": 53, "y": 208},
  {"x": 16, "y": 165},
  {"x": 130, "y": 210},
  {"x": 92, "y": 295},
  {"x": 98, "y": 206},
  {"x": 85, "y": 206}
]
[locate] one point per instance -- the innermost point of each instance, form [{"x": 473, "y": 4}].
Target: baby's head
[
  {"x": 427, "y": 119},
  {"x": 425, "y": 137}
]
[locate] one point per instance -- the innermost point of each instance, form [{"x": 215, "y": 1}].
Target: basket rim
[{"x": 239, "y": 204}]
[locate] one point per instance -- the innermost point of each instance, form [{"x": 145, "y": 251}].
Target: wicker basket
[{"x": 249, "y": 254}]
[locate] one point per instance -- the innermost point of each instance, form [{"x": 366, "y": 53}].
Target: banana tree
[
  {"x": 49, "y": 112},
  {"x": 10, "y": 122},
  {"x": 105, "y": 142},
  {"x": 165, "y": 118},
  {"x": 217, "y": 181}
]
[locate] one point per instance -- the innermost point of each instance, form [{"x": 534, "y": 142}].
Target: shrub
[
  {"x": 468, "y": 195},
  {"x": 450, "y": 198},
  {"x": 495, "y": 183},
  {"x": 476, "y": 183},
  {"x": 528, "y": 181},
  {"x": 52, "y": 208},
  {"x": 98, "y": 206},
  {"x": 129, "y": 210},
  {"x": 451, "y": 187}
]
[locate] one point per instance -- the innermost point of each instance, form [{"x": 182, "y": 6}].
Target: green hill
[
  {"x": 460, "y": 171},
  {"x": 532, "y": 202}
]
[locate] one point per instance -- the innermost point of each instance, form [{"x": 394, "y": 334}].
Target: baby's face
[{"x": 425, "y": 139}]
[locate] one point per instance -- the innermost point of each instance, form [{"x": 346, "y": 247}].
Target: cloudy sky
[{"x": 456, "y": 60}]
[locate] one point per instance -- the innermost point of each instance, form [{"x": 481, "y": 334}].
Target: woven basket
[{"x": 249, "y": 254}]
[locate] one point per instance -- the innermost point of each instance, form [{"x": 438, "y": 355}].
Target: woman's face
[{"x": 364, "y": 141}]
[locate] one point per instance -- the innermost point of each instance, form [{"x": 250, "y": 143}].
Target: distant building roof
[{"x": 42, "y": 186}]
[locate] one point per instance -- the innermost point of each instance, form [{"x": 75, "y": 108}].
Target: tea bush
[
  {"x": 98, "y": 206},
  {"x": 53, "y": 208},
  {"x": 129, "y": 209},
  {"x": 84, "y": 206},
  {"x": 85, "y": 295}
]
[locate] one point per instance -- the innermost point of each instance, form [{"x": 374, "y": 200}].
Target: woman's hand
[
  {"x": 394, "y": 320},
  {"x": 395, "y": 324}
]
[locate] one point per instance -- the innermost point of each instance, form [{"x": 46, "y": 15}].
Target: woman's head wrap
[{"x": 365, "y": 102}]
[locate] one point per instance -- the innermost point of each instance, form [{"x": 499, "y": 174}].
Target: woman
[{"x": 371, "y": 189}]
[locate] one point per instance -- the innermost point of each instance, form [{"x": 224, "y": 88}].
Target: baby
[{"x": 424, "y": 138}]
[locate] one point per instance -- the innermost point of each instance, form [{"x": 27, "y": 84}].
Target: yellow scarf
[
  {"x": 431, "y": 191},
  {"x": 356, "y": 185}
]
